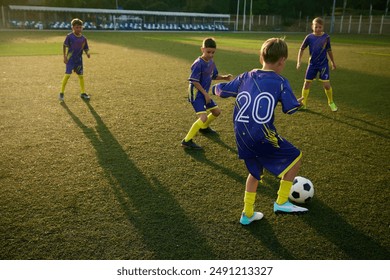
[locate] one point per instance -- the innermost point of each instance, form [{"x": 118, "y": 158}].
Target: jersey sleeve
[
  {"x": 289, "y": 102},
  {"x": 230, "y": 89},
  {"x": 196, "y": 71},
  {"x": 305, "y": 43},
  {"x": 67, "y": 41}
]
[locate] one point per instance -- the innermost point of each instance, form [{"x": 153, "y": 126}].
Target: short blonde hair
[
  {"x": 318, "y": 20},
  {"x": 76, "y": 21}
]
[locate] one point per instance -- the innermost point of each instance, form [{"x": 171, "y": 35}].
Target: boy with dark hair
[
  {"x": 257, "y": 93},
  {"x": 203, "y": 71},
  {"x": 75, "y": 43}
]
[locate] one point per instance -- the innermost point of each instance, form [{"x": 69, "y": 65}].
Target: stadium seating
[{"x": 120, "y": 26}]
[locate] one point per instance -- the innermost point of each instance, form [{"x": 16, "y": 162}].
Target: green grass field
[{"x": 108, "y": 179}]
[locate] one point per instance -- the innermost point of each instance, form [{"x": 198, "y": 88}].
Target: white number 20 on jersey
[{"x": 260, "y": 114}]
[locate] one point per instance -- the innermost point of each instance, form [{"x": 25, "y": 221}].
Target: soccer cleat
[
  {"x": 207, "y": 130},
  {"x": 255, "y": 217},
  {"x": 289, "y": 208},
  {"x": 190, "y": 145},
  {"x": 61, "y": 97},
  {"x": 84, "y": 96},
  {"x": 333, "y": 107}
]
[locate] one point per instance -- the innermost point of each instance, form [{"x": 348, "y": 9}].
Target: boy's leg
[
  {"x": 63, "y": 85},
  {"x": 305, "y": 93},
  {"x": 250, "y": 195},
  {"x": 82, "y": 86},
  {"x": 329, "y": 94},
  {"x": 215, "y": 112},
  {"x": 194, "y": 130},
  {"x": 282, "y": 204},
  {"x": 196, "y": 126},
  {"x": 248, "y": 214},
  {"x": 286, "y": 182},
  {"x": 64, "y": 82},
  {"x": 210, "y": 118}
]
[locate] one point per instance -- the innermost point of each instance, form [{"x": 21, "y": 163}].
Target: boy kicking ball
[{"x": 257, "y": 93}]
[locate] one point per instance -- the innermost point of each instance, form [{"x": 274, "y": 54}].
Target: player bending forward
[{"x": 260, "y": 146}]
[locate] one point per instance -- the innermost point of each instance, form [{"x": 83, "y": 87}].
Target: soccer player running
[
  {"x": 203, "y": 71},
  {"x": 76, "y": 44},
  {"x": 319, "y": 50},
  {"x": 257, "y": 93}
]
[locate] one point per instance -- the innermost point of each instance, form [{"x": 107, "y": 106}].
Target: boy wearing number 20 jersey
[
  {"x": 256, "y": 134},
  {"x": 257, "y": 93}
]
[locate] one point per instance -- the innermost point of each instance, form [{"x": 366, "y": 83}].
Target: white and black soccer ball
[{"x": 302, "y": 190}]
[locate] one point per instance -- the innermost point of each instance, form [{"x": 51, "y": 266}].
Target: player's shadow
[
  {"x": 357, "y": 123},
  {"x": 217, "y": 139},
  {"x": 148, "y": 205},
  {"x": 199, "y": 155},
  {"x": 264, "y": 232},
  {"x": 355, "y": 244}
]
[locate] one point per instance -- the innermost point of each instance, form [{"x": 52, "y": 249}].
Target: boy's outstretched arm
[
  {"x": 226, "y": 90},
  {"x": 227, "y": 77},
  {"x": 222, "y": 90}
]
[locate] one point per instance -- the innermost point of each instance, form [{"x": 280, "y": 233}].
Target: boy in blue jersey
[
  {"x": 257, "y": 93},
  {"x": 319, "y": 50},
  {"x": 203, "y": 71},
  {"x": 76, "y": 44}
]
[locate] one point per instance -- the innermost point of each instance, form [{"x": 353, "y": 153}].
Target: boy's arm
[
  {"x": 199, "y": 87},
  {"x": 226, "y": 90},
  {"x": 330, "y": 54},
  {"x": 64, "y": 54},
  {"x": 87, "y": 53},
  {"x": 227, "y": 77},
  {"x": 300, "y": 54}
]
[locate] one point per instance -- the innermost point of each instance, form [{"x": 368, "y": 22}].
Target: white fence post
[
  {"x": 360, "y": 24},
  {"x": 381, "y": 28},
  {"x": 350, "y": 22},
  {"x": 370, "y": 26}
]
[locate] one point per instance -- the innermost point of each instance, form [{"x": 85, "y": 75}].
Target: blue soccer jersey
[
  {"x": 76, "y": 45},
  {"x": 257, "y": 93},
  {"x": 318, "y": 48},
  {"x": 202, "y": 72}
]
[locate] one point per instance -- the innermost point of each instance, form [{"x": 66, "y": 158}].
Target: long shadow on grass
[
  {"x": 327, "y": 223},
  {"x": 354, "y": 243},
  {"x": 219, "y": 141},
  {"x": 147, "y": 204},
  {"x": 264, "y": 232},
  {"x": 200, "y": 156},
  {"x": 385, "y": 134}
]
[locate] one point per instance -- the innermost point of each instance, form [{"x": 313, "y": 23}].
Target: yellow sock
[
  {"x": 329, "y": 95},
  {"x": 82, "y": 87},
  {"x": 305, "y": 95},
  {"x": 249, "y": 201},
  {"x": 64, "y": 82},
  {"x": 210, "y": 118},
  {"x": 284, "y": 191},
  {"x": 194, "y": 130}
]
